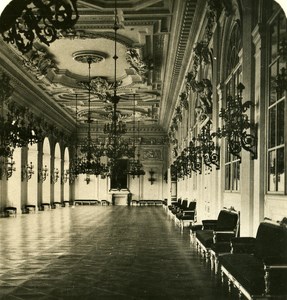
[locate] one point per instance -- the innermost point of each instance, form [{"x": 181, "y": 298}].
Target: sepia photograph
[{"x": 143, "y": 149}]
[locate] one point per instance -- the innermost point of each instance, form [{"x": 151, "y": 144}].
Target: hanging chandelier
[
  {"x": 89, "y": 153},
  {"x": 135, "y": 166},
  {"x": 116, "y": 147},
  {"x": 89, "y": 161},
  {"x": 22, "y": 21}
]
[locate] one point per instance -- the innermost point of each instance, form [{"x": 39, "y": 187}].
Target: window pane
[
  {"x": 273, "y": 85},
  {"x": 271, "y": 171},
  {"x": 272, "y": 126},
  {"x": 274, "y": 41},
  {"x": 280, "y": 123},
  {"x": 280, "y": 170},
  {"x": 227, "y": 153},
  {"x": 227, "y": 177},
  {"x": 236, "y": 176}
]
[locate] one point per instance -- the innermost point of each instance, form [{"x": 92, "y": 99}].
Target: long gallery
[{"x": 143, "y": 149}]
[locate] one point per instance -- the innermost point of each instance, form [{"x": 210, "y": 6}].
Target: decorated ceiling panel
[{"x": 142, "y": 45}]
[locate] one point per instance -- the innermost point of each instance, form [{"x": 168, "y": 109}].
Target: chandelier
[
  {"x": 116, "y": 147},
  {"x": 22, "y": 21},
  {"x": 89, "y": 162},
  {"x": 135, "y": 166},
  {"x": 88, "y": 155}
]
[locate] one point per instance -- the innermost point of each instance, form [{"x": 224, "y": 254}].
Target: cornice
[{"x": 191, "y": 18}]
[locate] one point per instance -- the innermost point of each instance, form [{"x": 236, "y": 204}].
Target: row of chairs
[
  {"x": 255, "y": 266},
  {"x": 182, "y": 212}
]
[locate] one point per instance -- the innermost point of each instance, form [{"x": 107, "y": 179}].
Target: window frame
[{"x": 270, "y": 105}]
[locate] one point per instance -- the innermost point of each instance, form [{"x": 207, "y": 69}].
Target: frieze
[{"x": 152, "y": 154}]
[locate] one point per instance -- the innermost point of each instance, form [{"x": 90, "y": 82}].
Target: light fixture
[
  {"x": 209, "y": 150},
  {"x": 88, "y": 178},
  {"x": 27, "y": 171},
  {"x": 7, "y": 167},
  {"x": 64, "y": 176},
  {"x": 55, "y": 176},
  {"x": 116, "y": 147},
  {"x": 151, "y": 179},
  {"x": 90, "y": 154},
  {"x": 22, "y": 21},
  {"x": 237, "y": 128},
  {"x": 18, "y": 127},
  {"x": 42, "y": 174},
  {"x": 135, "y": 166}
]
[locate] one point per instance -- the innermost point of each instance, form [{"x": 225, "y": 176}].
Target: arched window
[{"x": 233, "y": 78}]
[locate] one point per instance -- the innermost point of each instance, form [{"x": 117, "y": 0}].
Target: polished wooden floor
[{"x": 101, "y": 252}]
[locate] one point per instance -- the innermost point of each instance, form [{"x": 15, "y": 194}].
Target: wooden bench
[
  {"x": 30, "y": 208},
  {"x": 45, "y": 206},
  {"x": 56, "y": 204},
  {"x": 86, "y": 202},
  {"x": 150, "y": 202},
  {"x": 105, "y": 202},
  {"x": 10, "y": 211}
]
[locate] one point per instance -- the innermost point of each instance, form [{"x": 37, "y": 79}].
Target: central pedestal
[{"x": 120, "y": 197}]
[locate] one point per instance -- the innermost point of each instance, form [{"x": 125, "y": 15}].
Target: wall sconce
[
  {"x": 72, "y": 177},
  {"x": 55, "y": 176},
  {"x": 42, "y": 174},
  {"x": 237, "y": 126},
  {"x": 87, "y": 179},
  {"x": 151, "y": 179},
  {"x": 27, "y": 171},
  {"x": 65, "y": 176},
  {"x": 7, "y": 168}
]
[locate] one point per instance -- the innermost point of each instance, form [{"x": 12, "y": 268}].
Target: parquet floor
[{"x": 101, "y": 252}]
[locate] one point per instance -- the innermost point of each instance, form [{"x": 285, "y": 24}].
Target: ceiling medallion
[{"x": 91, "y": 56}]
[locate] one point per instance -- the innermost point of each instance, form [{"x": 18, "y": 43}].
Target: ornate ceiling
[{"x": 150, "y": 45}]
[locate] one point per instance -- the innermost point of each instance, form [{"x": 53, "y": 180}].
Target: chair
[
  {"x": 212, "y": 231},
  {"x": 177, "y": 209},
  {"x": 173, "y": 206},
  {"x": 257, "y": 267},
  {"x": 187, "y": 216}
]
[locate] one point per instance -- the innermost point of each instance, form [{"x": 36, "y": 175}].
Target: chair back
[
  {"x": 228, "y": 219},
  {"x": 271, "y": 240},
  {"x": 192, "y": 205},
  {"x": 184, "y": 204},
  {"x": 178, "y": 204}
]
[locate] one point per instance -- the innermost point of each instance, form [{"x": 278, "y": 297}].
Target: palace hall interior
[{"x": 143, "y": 149}]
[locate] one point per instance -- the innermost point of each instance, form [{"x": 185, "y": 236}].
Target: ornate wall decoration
[
  {"x": 139, "y": 65},
  {"x": 39, "y": 61},
  {"x": 152, "y": 154}
]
